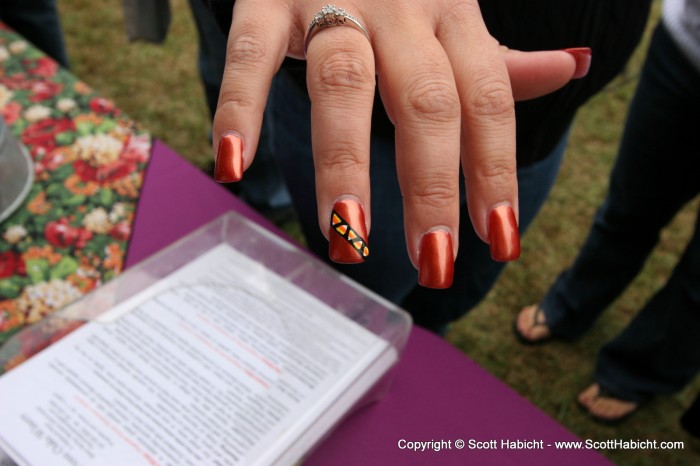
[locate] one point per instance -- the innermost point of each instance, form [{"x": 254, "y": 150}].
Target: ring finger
[{"x": 341, "y": 84}]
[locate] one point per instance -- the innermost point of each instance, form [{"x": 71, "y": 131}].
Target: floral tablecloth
[{"x": 71, "y": 233}]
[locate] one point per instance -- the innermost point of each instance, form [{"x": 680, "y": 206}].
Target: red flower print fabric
[{"x": 71, "y": 233}]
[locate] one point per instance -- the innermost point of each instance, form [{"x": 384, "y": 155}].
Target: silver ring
[{"x": 331, "y": 15}]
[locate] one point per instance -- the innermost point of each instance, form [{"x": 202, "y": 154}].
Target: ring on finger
[{"x": 331, "y": 15}]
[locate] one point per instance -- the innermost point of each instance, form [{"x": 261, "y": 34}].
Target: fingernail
[
  {"x": 347, "y": 234},
  {"x": 582, "y": 55},
  {"x": 504, "y": 237},
  {"x": 436, "y": 259},
  {"x": 229, "y": 159}
]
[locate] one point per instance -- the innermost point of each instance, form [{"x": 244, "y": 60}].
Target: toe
[
  {"x": 532, "y": 326},
  {"x": 588, "y": 395},
  {"x": 526, "y": 320},
  {"x": 611, "y": 408},
  {"x": 603, "y": 407}
]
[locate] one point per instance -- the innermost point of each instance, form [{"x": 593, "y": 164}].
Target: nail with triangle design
[{"x": 347, "y": 233}]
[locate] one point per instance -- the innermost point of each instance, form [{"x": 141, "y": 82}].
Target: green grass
[{"x": 159, "y": 87}]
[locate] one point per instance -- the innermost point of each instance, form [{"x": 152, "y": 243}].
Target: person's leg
[
  {"x": 212, "y": 52},
  {"x": 39, "y": 23},
  {"x": 654, "y": 175},
  {"x": 691, "y": 418},
  {"x": 659, "y": 351}
]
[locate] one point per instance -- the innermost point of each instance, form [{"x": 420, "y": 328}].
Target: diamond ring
[{"x": 331, "y": 15}]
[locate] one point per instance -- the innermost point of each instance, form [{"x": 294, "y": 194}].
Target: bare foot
[
  {"x": 605, "y": 408},
  {"x": 531, "y": 324}
]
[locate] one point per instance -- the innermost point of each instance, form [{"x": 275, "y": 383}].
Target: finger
[
  {"x": 534, "y": 74},
  {"x": 341, "y": 83},
  {"x": 488, "y": 128},
  {"x": 253, "y": 56},
  {"x": 419, "y": 92}
]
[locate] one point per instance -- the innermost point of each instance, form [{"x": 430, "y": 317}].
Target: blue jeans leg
[
  {"x": 658, "y": 352},
  {"x": 212, "y": 52},
  {"x": 39, "y": 23},
  {"x": 656, "y": 172}
]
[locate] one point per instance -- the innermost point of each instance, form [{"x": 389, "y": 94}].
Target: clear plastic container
[{"x": 231, "y": 294}]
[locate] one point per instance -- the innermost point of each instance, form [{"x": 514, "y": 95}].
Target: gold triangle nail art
[{"x": 342, "y": 227}]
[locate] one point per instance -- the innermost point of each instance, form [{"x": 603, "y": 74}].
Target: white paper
[{"x": 222, "y": 362}]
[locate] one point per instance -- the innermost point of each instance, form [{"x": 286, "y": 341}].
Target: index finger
[{"x": 253, "y": 55}]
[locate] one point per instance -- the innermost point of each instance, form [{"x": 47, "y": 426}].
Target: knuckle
[
  {"x": 491, "y": 97},
  {"x": 436, "y": 191},
  {"x": 343, "y": 70},
  {"x": 496, "y": 170},
  {"x": 247, "y": 48},
  {"x": 246, "y": 53},
  {"x": 340, "y": 158},
  {"x": 432, "y": 98},
  {"x": 461, "y": 12},
  {"x": 235, "y": 99}
]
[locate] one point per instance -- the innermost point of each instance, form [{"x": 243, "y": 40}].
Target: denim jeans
[
  {"x": 388, "y": 270},
  {"x": 38, "y": 22},
  {"x": 657, "y": 171}
]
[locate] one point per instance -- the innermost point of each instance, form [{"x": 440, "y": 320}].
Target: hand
[{"x": 447, "y": 86}]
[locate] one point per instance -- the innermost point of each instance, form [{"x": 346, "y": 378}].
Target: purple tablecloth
[{"x": 437, "y": 394}]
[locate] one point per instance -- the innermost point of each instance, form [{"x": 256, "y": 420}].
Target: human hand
[{"x": 446, "y": 85}]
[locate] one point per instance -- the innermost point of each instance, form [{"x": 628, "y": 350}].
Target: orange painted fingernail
[
  {"x": 582, "y": 55},
  {"x": 504, "y": 237},
  {"x": 229, "y": 159},
  {"x": 436, "y": 259},
  {"x": 347, "y": 233}
]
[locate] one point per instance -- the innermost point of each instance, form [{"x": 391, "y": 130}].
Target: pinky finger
[{"x": 534, "y": 74}]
